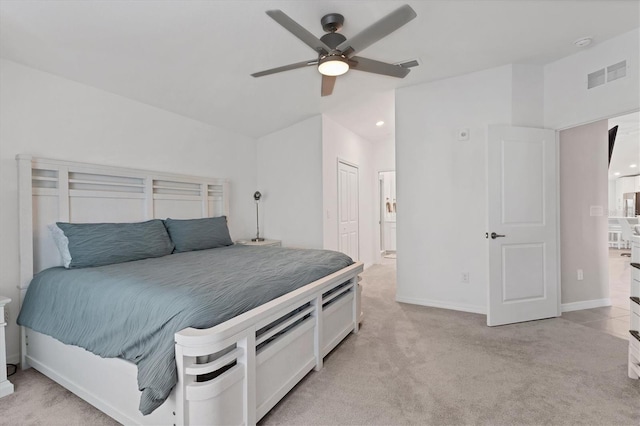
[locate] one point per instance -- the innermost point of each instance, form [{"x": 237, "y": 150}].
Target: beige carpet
[{"x": 417, "y": 365}]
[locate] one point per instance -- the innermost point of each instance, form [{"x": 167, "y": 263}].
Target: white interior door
[
  {"x": 348, "y": 222},
  {"x": 523, "y": 225}
]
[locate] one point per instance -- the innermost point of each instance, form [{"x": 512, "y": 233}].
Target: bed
[{"x": 230, "y": 373}]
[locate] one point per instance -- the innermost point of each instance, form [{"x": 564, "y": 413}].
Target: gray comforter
[{"x": 132, "y": 310}]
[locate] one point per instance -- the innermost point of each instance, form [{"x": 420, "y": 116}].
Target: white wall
[
  {"x": 441, "y": 186},
  {"x": 289, "y": 165},
  {"x": 341, "y": 143},
  {"x": 584, "y": 152},
  {"x": 527, "y": 95},
  {"x": 568, "y": 102},
  {"x": 52, "y": 117},
  {"x": 442, "y": 182},
  {"x": 384, "y": 155}
]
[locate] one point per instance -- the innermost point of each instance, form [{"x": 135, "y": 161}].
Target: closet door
[{"x": 348, "y": 215}]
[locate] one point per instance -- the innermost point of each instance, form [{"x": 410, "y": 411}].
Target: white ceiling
[
  {"x": 626, "y": 151},
  {"x": 194, "y": 57}
]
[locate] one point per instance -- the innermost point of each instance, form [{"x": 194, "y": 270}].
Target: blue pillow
[
  {"x": 198, "y": 234},
  {"x": 98, "y": 244}
]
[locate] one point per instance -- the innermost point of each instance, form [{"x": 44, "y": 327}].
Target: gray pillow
[
  {"x": 199, "y": 234},
  {"x": 97, "y": 244}
]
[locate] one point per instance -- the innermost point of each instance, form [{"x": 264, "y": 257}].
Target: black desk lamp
[{"x": 256, "y": 196}]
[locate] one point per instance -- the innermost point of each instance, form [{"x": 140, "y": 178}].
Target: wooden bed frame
[{"x": 252, "y": 369}]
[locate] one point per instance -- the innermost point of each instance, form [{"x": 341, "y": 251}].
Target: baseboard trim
[
  {"x": 565, "y": 307},
  {"x": 586, "y": 304},
  {"x": 475, "y": 309},
  {"x": 13, "y": 359}
]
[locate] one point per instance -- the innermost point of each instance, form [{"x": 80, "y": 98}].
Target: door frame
[
  {"x": 381, "y": 240},
  {"x": 567, "y": 126},
  {"x": 351, "y": 164},
  {"x": 558, "y": 224}
]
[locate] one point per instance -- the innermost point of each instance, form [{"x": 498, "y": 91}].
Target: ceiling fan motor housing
[
  {"x": 332, "y": 22},
  {"x": 333, "y": 40}
]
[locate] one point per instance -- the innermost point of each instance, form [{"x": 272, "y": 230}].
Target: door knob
[{"x": 494, "y": 236}]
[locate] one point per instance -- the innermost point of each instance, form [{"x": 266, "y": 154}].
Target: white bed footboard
[{"x": 236, "y": 372}]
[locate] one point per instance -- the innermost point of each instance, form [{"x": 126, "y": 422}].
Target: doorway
[
  {"x": 388, "y": 208},
  {"x": 595, "y": 277}
]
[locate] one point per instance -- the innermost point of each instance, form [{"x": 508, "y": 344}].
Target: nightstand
[
  {"x": 265, "y": 243},
  {"x": 6, "y": 388}
]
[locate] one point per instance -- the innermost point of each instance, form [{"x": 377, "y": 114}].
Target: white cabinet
[
  {"x": 6, "y": 387},
  {"x": 625, "y": 185},
  {"x": 634, "y": 318}
]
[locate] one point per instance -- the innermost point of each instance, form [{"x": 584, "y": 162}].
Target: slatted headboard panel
[{"x": 52, "y": 190}]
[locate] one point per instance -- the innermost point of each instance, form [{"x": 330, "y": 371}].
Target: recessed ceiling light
[
  {"x": 583, "y": 42},
  {"x": 616, "y": 174},
  {"x": 379, "y": 123},
  {"x": 633, "y": 165}
]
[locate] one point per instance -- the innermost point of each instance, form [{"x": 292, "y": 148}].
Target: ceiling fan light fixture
[{"x": 333, "y": 65}]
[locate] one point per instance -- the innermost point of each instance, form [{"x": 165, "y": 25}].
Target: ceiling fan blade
[
  {"x": 285, "y": 68},
  {"x": 409, "y": 64},
  {"x": 299, "y": 31},
  {"x": 327, "y": 85},
  {"x": 369, "y": 65},
  {"x": 378, "y": 30}
]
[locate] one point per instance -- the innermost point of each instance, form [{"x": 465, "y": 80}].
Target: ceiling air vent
[
  {"x": 596, "y": 79},
  {"x": 616, "y": 71}
]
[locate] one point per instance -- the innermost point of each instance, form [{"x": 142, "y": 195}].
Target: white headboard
[{"x": 52, "y": 191}]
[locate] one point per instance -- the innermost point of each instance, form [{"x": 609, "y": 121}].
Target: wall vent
[
  {"x": 596, "y": 79},
  {"x": 616, "y": 71}
]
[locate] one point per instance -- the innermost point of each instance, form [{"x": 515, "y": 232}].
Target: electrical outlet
[
  {"x": 580, "y": 275},
  {"x": 464, "y": 278}
]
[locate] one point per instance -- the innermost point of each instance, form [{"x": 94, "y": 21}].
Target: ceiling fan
[{"x": 336, "y": 53}]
